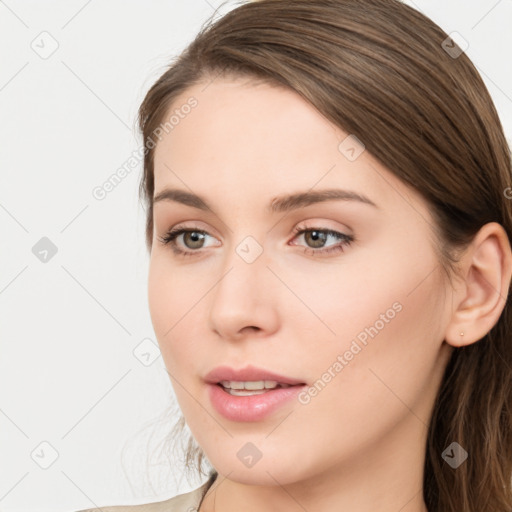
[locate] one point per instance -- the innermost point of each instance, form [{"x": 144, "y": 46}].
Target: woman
[{"x": 329, "y": 223}]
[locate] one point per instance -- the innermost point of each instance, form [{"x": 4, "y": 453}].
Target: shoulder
[{"x": 187, "y": 502}]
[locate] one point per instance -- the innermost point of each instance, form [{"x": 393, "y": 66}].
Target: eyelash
[{"x": 346, "y": 240}]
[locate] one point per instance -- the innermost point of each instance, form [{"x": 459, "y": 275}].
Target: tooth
[{"x": 254, "y": 385}]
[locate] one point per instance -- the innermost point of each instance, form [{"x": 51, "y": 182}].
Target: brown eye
[
  {"x": 317, "y": 238},
  {"x": 195, "y": 239}
]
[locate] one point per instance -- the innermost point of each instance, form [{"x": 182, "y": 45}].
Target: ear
[{"x": 480, "y": 297}]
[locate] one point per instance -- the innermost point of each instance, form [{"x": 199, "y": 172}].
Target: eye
[
  {"x": 193, "y": 239},
  {"x": 318, "y": 236}
]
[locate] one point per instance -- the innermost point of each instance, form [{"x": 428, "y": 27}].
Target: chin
[{"x": 268, "y": 473}]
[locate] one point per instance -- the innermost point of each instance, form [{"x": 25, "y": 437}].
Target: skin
[{"x": 358, "y": 444}]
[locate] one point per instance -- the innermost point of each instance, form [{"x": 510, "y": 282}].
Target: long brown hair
[{"x": 387, "y": 74}]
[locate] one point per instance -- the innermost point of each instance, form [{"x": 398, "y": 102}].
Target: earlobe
[{"x": 481, "y": 296}]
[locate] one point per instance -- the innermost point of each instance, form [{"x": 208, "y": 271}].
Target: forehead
[
  {"x": 263, "y": 140},
  {"x": 250, "y": 120}
]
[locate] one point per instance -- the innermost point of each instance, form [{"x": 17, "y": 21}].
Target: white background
[{"x": 68, "y": 327}]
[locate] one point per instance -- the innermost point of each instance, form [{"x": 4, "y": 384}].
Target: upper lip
[{"x": 249, "y": 373}]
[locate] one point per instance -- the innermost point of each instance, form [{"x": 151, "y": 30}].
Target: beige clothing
[{"x": 187, "y": 502}]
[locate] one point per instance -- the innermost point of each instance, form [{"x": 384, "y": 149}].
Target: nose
[{"x": 244, "y": 301}]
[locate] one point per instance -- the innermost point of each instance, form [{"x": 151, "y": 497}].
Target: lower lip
[{"x": 250, "y": 408}]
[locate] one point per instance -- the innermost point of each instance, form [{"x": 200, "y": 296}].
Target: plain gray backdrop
[{"x": 81, "y": 378}]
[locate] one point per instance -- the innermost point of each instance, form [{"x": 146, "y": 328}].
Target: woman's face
[{"x": 355, "y": 309}]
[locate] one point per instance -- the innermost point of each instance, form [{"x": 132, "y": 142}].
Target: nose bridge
[
  {"x": 241, "y": 297},
  {"x": 244, "y": 271}
]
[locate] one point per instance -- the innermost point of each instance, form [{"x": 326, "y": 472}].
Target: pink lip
[
  {"x": 246, "y": 374},
  {"x": 249, "y": 408}
]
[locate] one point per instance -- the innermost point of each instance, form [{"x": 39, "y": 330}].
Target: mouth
[
  {"x": 250, "y": 388},
  {"x": 250, "y": 393},
  {"x": 250, "y": 378},
  {"x": 251, "y": 401}
]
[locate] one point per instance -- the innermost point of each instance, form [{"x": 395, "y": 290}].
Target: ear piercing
[{"x": 462, "y": 334}]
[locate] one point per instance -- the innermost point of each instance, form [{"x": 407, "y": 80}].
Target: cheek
[
  {"x": 174, "y": 301},
  {"x": 171, "y": 291},
  {"x": 160, "y": 295},
  {"x": 386, "y": 298},
  {"x": 382, "y": 361}
]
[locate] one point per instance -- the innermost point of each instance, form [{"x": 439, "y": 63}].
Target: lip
[
  {"x": 249, "y": 373},
  {"x": 249, "y": 408}
]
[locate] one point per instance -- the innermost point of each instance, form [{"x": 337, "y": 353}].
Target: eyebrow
[{"x": 278, "y": 204}]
